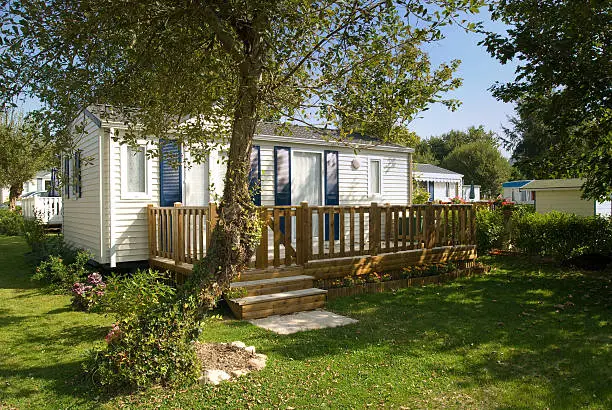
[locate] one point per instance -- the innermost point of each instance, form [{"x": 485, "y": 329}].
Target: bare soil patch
[{"x": 222, "y": 356}]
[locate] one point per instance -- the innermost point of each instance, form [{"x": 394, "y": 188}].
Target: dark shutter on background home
[
  {"x": 332, "y": 191},
  {"x": 171, "y": 176},
  {"x": 282, "y": 180},
  {"x": 67, "y": 176},
  {"x": 52, "y": 191},
  {"x": 431, "y": 190},
  {"x": 255, "y": 176},
  {"x": 78, "y": 189}
]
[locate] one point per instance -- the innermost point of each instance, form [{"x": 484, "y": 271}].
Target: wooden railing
[{"x": 293, "y": 235}]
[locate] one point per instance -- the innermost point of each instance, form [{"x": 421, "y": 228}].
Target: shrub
[
  {"x": 133, "y": 295},
  {"x": 86, "y": 296},
  {"x": 56, "y": 273},
  {"x": 11, "y": 223},
  {"x": 151, "y": 341},
  {"x": 561, "y": 235},
  {"x": 489, "y": 229}
]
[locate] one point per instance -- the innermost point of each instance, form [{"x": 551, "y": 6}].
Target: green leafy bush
[
  {"x": 489, "y": 229},
  {"x": 44, "y": 245},
  {"x": 154, "y": 347},
  {"x": 151, "y": 341},
  {"x": 133, "y": 295},
  {"x": 11, "y": 223},
  {"x": 561, "y": 235},
  {"x": 60, "y": 275}
]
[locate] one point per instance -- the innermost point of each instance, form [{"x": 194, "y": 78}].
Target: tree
[
  {"x": 225, "y": 64},
  {"x": 480, "y": 162},
  {"x": 22, "y": 153},
  {"x": 562, "y": 86},
  {"x": 436, "y": 149}
]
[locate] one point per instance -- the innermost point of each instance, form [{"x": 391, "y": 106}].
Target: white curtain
[
  {"x": 136, "y": 163},
  {"x": 306, "y": 178}
]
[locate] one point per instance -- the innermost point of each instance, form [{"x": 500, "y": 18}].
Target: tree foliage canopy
[
  {"x": 481, "y": 163},
  {"x": 473, "y": 153},
  {"x": 23, "y": 152},
  {"x": 435, "y": 149},
  {"x": 562, "y": 87}
]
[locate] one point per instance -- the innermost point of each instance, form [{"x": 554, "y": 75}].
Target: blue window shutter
[
  {"x": 332, "y": 190},
  {"x": 255, "y": 176},
  {"x": 170, "y": 178},
  {"x": 282, "y": 180},
  {"x": 78, "y": 190},
  {"x": 431, "y": 190}
]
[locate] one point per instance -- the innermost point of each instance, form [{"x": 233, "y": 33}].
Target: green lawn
[{"x": 498, "y": 341}]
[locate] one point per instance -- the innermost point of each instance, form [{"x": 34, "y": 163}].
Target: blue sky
[{"x": 479, "y": 71}]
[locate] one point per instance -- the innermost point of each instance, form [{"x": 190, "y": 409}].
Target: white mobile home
[
  {"x": 513, "y": 191},
  {"x": 442, "y": 184},
  {"x": 564, "y": 195},
  {"x": 105, "y": 206}
]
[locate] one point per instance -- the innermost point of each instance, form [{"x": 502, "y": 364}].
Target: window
[
  {"x": 134, "y": 173},
  {"x": 375, "y": 177},
  {"x": 448, "y": 190}
]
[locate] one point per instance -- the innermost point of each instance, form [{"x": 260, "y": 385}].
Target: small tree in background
[
  {"x": 482, "y": 163},
  {"x": 23, "y": 153}
]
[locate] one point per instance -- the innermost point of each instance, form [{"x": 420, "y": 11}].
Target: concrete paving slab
[{"x": 302, "y": 321}]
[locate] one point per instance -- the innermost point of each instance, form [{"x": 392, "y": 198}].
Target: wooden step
[
  {"x": 274, "y": 285},
  {"x": 270, "y": 273},
  {"x": 255, "y": 307}
]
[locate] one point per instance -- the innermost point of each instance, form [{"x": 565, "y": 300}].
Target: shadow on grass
[
  {"x": 523, "y": 323},
  {"x": 57, "y": 311}
]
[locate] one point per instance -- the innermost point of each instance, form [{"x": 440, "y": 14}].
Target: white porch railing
[{"x": 49, "y": 210}]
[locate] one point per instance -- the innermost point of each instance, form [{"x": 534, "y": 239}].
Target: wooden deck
[{"x": 295, "y": 244}]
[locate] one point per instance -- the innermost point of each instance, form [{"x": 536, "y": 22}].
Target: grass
[{"x": 524, "y": 336}]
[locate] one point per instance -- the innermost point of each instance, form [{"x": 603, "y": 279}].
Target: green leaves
[{"x": 562, "y": 87}]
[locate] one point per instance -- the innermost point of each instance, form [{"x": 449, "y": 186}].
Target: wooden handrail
[{"x": 299, "y": 233}]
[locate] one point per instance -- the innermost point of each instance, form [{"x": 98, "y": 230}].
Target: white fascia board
[{"x": 423, "y": 176}]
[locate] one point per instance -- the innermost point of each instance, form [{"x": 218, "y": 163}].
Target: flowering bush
[
  {"x": 114, "y": 334},
  {"x": 86, "y": 295},
  {"x": 457, "y": 200}
]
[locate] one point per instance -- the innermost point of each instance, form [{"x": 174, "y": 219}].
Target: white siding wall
[
  {"x": 82, "y": 215},
  {"x": 604, "y": 208},
  {"x": 128, "y": 217}
]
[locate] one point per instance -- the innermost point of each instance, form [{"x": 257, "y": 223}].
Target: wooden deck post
[
  {"x": 152, "y": 225},
  {"x": 303, "y": 233},
  {"x": 177, "y": 234},
  {"x": 375, "y": 230},
  {"x": 473, "y": 225},
  {"x": 210, "y": 222}
]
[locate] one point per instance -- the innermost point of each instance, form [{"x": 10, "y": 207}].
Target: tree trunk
[
  {"x": 14, "y": 193},
  {"x": 237, "y": 233}
]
